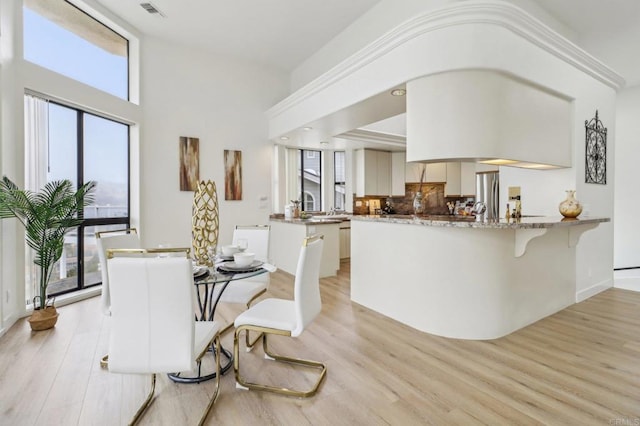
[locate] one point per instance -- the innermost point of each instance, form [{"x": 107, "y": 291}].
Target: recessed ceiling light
[
  {"x": 284, "y": 138},
  {"x": 306, "y": 129},
  {"x": 324, "y": 142},
  {"x": 398, "y": 92}
]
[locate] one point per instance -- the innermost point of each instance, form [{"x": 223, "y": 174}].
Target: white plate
[
  {"x": 223, "y": 257},
  {"x": 231, "y": 266},
  {"x": 199, "y": 270}
]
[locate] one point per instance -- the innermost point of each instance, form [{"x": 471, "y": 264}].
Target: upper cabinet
[
  {"x": 435, "y": 172},
  {"x": 398, "y": 161},
  {"x": 461, "y": 178},
  {"x": 373, "y": 172}
]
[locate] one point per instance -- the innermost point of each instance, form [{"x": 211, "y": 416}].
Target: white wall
[
  {"x": 183, "y": 92},
  {"x": 11, "y": 164},
  {"x": 627, "y": 192},
  {"x": 18, "y": 75},
  {"x": 186, "y": 92},
  {"x": 529, "y": 53}
]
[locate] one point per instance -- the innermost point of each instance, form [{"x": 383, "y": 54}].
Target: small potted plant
[
  {"x": 47, "y": 216},
  {"x": 296, "y": 208}
]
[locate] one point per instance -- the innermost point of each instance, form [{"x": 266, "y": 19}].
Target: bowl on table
[
  {"x": 230, "y": 250},
  {"x": 243, "y": 259}
]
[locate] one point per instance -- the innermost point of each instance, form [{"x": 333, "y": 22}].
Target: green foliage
[{"x": 47, "y": 216}]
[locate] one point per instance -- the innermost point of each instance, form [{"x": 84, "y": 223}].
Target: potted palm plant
[{"x": 47, "y": 216}]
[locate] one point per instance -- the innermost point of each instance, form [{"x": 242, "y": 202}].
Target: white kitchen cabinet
[
  {"x": 398, "y": 170},
  {"x": 373, "y": 172},
  {"x": 435, "y": 172},
  {"x": 286, "y": 239},
  {"x": 467, "y": 179},
  {"x": 345, "y": 240},
  {"x": 452, "y": 187},
  {"x": 461, "y": 178}
]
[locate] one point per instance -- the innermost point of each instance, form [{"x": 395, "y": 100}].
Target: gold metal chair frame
[
  {"x": 264, "y": 332},
  {"x": 250, "y": 344},
  {"x": 142, "y": 251},
  {"x": 229, "y": 326},
  {"x": 215, "y": 341},
  {"x": 104, "y": 361}
]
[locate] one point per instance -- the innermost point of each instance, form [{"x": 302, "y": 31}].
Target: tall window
[
  {"x": 64, "y": 39},
  {"x": 79, "y": 146},
  {"x": 310, "y": 180},
  {"x": 339, "y": 174}
]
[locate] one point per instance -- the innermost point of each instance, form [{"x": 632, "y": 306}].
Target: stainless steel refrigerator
[{"x": 488, "y": 192}]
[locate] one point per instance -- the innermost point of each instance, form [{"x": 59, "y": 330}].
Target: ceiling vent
[{"x": 152, "y": 9}]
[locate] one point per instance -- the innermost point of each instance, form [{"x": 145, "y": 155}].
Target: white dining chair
[
  {"x": 286, "y": 318},
  {"x": 247, "y": 291},
  {"x": 105, "y": 240},
  {"x": 153, "y": 327}
]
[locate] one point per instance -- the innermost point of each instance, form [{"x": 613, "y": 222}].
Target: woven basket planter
[{"x": 43, "y": 319}]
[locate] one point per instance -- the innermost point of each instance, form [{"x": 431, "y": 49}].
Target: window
[
  {"x": 64, "y": 39},
  {"x": 78, "y": 146},
  {"x": 339, "y": 174},
  {"x": 310, "y": 180}
]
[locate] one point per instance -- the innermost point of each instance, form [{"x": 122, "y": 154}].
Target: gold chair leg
[
  {"x": 249, "y": 344},
  {"x": 104, "y": 361},
  {"x": 214, "y": 397},
  {"x": 297, "y": 361},
  {"x": 227, "y": 328},
  {"x": 145, "y": 404}
]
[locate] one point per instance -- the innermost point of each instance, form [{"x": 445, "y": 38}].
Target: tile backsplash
[{"x": 433, "y": 198}]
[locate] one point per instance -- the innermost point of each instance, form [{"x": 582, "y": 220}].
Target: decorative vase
[
  {"x": 43, "y": 319},
  {"x": 571, "y": 207},
  {"x": 418, "y": 207},
  {"x": 204, "y": 222}
]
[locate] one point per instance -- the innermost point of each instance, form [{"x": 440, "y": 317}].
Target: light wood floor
[{"x": 578, "y": 367}]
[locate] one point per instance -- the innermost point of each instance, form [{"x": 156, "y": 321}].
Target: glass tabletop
[{"x": 214, "y": 276}]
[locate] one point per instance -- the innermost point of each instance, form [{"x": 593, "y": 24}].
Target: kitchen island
[
  {"x": 461, "y": 278},
  {"x": 286, "y": 240}
]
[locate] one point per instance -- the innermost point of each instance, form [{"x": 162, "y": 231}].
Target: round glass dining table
[{"x": 210, "y": 283}]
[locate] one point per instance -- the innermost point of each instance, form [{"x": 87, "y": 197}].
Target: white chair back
[
  {"x": 257, "y": 237},
  {"x": 152, "y": 314},
  {"x": 126, "y": 239},
  {"x": 307, "y": 283}
]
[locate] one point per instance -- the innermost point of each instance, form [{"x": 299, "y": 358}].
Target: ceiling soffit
[{"x": 360, "y": 77}]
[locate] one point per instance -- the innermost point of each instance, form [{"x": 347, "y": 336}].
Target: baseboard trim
[
  {"x": 593, "y": 290},
  {"x": 627, "y": 279}
]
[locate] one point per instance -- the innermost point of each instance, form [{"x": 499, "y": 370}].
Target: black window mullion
[
  {"x": 301, "y": 151},
  {"x": 320, "y": 179},
  {"x": 80, "y": 178}
]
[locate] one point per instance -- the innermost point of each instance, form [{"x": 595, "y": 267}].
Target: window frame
[
  {"x": 47, "y": 14},
  {"x": 336, "y": 182},
  {"x": 124, "y": 221},
  {"x": 310, "y": 155}
]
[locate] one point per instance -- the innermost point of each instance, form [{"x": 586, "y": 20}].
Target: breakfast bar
[
  {"x": 461, "y": 278},
  {"x": 286, "y": 234}
]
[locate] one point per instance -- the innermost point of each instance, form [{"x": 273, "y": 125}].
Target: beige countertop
[
  {"x": 313, "y": 221},
  {"x": 528, "y": 222}
]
